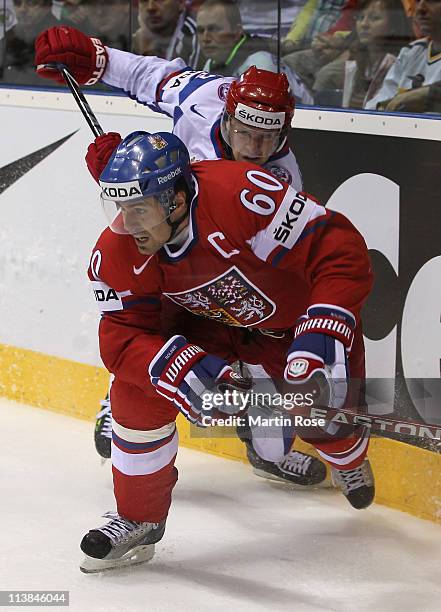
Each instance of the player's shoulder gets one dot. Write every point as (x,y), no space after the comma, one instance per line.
(337,221)
(219,182)
(190,84)
(116,260)
(236,193)
(213,171)
(112,244)
(223,177)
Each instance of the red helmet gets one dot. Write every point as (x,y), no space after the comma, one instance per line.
(265,91)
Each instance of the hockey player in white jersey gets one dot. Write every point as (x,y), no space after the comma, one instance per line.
(216,117)
(194,100)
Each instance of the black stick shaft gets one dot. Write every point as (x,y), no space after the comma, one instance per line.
(83,104)
(79,97)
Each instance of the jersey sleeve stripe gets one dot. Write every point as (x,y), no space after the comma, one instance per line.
(215,139)
(177,115)
(142,300)
(163,83)
(140,446)
(277,255)
(311,228)
(194,84)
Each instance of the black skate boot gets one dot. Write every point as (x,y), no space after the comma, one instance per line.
(103,429)
(357,485)
(119,543)
(295,468)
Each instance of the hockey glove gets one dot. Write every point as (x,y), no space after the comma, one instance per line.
(319,353)
(186,375)
(86,58)
(99,152)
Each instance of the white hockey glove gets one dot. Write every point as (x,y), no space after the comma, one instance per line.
(319,352)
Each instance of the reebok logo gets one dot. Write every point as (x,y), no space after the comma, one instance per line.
(169,176)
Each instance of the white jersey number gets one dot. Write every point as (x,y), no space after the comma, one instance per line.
(261,203)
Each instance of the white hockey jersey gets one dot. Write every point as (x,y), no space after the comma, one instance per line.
(416,65)
(193,99)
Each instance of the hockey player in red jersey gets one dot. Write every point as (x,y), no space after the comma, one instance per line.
(216,117)
(243,257)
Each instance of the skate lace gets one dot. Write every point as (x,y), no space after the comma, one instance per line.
(106,412)
(296,463)
(121,530)
(353,479)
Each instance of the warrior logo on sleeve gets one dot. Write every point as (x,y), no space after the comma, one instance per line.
(230,299)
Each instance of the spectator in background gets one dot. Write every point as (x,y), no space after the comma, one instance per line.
(108,19)
(228,50)
(260,16)
(355,74)
(319,17)
(322,32)
(382,29)
(413,83)
(73,12)
(166,30)
(33,16)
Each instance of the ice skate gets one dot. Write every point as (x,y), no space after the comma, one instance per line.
(119,543)
(295,469)
(357,485)
(103,429)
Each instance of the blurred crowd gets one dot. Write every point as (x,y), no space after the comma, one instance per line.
(360,54)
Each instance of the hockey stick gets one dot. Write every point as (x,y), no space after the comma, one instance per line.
(380,425)
(80,99)
(320,410)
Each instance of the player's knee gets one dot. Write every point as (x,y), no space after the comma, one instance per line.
(141,452)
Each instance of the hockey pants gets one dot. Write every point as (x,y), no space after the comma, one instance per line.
(145,439)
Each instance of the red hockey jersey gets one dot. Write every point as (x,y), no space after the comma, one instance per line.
(257,255)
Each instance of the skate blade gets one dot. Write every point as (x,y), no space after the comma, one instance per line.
(139,555)
(325,484)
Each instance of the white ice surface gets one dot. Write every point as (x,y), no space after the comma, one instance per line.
(233,542)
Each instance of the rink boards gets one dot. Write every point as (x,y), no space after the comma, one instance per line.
(51,218)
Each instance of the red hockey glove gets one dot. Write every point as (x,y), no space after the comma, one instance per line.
(86,58)
(319,352)
(188,377)
(99,152)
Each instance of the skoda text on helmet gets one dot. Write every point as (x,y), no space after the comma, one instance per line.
(143,166)
(259,100)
